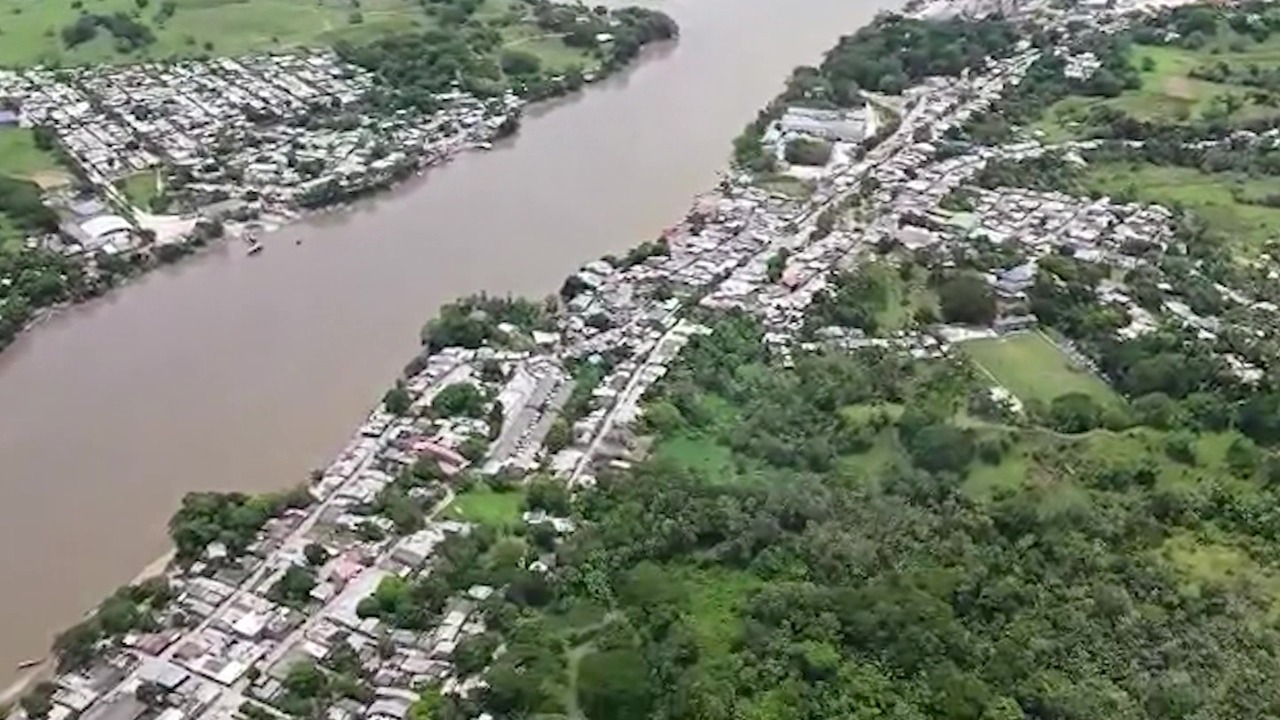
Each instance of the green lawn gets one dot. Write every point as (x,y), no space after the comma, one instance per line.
(483,505)
(698,453)
(1209,195)
(551,50)
(20,158)
(1033,368)
(1168,93)
(140,189)
(786,185)
(30,29)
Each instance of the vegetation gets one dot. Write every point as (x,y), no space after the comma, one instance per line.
(462,399)
(473,321)
(966,298)
(129,609)
(294,587)
(543,53)
(232,519)
(123,31)
(483,504)
(1201,68)
(872,546)
(807,151)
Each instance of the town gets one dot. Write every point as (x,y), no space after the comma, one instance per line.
(247,139)
(354,596)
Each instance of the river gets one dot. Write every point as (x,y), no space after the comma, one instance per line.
(228,372)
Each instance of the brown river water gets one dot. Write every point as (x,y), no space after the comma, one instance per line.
(228,372)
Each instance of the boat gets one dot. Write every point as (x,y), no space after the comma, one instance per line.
(484,145)
(26,664)
(254,249)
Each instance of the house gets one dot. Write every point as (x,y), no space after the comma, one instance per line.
(1013,283)
(837,125)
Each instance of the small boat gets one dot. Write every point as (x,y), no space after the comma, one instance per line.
(485,145)
(298,241)
(25,664)
(254,249)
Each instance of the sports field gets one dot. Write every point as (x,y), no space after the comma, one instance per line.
(1033,368)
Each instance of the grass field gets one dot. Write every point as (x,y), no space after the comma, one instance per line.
(1033,368)
(20,158)
(140,189)
(483,505)
(30,29)
(1168,93)
(1250,227)
(550,49)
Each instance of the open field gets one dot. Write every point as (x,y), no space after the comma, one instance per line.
(550,49)
(30,30)
(1209,195)
(140,189)
(1168,93)
(483,505)
(1033,368)
(20,158)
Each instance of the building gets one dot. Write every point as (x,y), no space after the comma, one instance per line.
(103,230)
(1013,283)
(835,125)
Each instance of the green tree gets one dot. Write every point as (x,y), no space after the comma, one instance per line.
(459,399)
(397,400)
(316,554)
(966,299)
(1075,412)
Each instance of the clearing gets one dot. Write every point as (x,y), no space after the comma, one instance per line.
(21,158)
(1030,366)
(1228,202)
(482,504)
(140,189)
(31,30)
(1168,93)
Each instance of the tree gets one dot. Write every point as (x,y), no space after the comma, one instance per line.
(615,685)
(459,399)
(1243,457)
(1074,412)
(559,435)
(495,420)
(548,495)
(474,652)
(941,447)
(967,299)
(39,701)
(808,151)
(1155,410)
(519,62)
(316,554)
(397,400)
(294,587)
(150,693)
